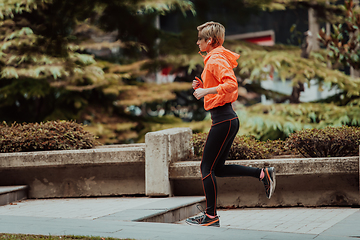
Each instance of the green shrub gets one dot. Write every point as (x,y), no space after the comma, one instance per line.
(246,147)
(280,147)
(327,142)
(52,135)
(198,141)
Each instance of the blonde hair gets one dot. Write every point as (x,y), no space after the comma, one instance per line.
(213,30)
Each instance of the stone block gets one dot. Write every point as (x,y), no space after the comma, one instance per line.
(162,148)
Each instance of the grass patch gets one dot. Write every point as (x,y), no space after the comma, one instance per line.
(6,236)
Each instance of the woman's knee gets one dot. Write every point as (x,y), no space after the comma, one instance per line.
(205,170)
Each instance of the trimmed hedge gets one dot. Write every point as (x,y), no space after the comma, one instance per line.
(247,147)
(327,142)
(52,135)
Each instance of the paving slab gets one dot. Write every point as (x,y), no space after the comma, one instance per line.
(82,208)
(349,226)
(105,217)
(293,220)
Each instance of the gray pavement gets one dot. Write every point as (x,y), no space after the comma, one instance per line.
(113,217)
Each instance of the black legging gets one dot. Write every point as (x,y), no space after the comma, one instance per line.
(221,136)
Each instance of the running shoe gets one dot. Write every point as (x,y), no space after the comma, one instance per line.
(204,220)
(269,181)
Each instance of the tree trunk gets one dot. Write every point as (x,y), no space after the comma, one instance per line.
(328,32)
(355,73)
(314,30)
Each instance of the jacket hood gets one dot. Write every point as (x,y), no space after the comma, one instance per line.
(222,52)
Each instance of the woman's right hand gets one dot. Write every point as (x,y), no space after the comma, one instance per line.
(197,83)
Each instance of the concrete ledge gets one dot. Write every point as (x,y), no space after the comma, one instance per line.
(300,182)
(140,145)
(9,194)
(77,173)
(293,166)
(72,157)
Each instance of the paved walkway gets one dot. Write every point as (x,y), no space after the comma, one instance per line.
(111,217)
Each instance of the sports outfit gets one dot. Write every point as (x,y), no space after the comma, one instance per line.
(218,72)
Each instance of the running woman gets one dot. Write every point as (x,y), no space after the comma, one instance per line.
(219,88)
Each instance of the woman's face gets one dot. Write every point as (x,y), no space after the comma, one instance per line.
(202,43)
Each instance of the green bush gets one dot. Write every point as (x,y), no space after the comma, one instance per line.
(246,147)
(280,147)
(198,141)
(327,142)
(52,135)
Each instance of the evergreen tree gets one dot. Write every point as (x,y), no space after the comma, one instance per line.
(47,71)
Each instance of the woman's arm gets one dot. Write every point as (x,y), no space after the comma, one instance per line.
(201,92)
(225,75)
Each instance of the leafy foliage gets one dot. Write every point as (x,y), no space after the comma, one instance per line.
(247,147)
(9,8)
(257,63)
(47,70)
(288,64)
(280,120)
(327,142)
(52,135)
(325,8)
(344,41)
(198,141)
(163,6)
(148,93)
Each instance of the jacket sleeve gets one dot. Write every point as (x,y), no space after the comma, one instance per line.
(222,71)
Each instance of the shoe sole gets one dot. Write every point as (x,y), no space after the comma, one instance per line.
(272,182)
(202,225)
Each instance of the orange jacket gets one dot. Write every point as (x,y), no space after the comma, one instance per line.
(218,72)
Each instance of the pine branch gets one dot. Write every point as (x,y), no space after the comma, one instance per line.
(8,8)
(254,64)
(164,6)
(271,120)
(148,93)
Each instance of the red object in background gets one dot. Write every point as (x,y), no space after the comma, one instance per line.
(265,41)
(166,71)
(263,38)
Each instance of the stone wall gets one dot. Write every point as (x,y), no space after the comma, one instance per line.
(161,168)
(76,173)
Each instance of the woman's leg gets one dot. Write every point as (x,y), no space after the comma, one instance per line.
(266,175)
(217,146)
(222,170)
(216,151)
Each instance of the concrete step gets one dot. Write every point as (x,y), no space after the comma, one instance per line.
(9,194)
(167,210)
(172,209)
